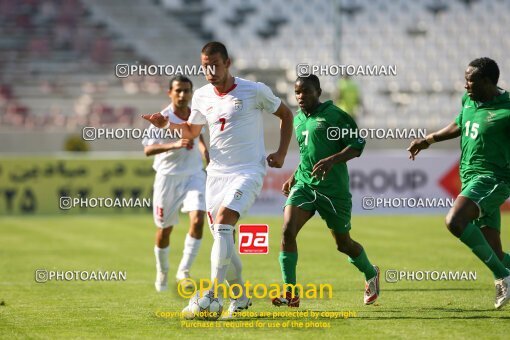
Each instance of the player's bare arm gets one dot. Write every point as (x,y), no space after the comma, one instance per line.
(276,159)
(203,149)
(189,131)
(449,132)
(321,169)
(154,149)
(289,183)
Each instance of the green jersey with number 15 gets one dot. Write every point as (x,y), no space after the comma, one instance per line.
(485,138)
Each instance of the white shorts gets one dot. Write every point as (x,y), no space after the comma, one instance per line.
(170,191)
(236,192)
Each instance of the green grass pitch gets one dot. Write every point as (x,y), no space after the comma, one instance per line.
(127,309)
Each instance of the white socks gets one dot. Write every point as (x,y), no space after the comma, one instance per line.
(162,262)
(225,261)
(222,250)
(191,247)
(234,276)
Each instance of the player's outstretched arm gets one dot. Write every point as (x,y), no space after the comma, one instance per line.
(189,131)
(276,159)
(322,167)
(449,132)
(154,149)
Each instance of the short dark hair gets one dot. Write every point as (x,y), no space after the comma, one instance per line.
(181,79)
(214,47)
(487,68)
(311,78)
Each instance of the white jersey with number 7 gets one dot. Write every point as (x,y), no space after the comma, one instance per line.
(235,125)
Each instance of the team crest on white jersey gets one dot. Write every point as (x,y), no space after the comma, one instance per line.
(238,104)
(238,195)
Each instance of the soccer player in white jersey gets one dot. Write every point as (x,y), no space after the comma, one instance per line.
(232,108)
(180,180)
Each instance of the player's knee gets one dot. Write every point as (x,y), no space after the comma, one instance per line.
(165,233)
(163,237)
(227,216)
(449,222)
(455,224)
(344,247)
(197,220)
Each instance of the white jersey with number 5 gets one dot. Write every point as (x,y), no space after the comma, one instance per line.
(235,125)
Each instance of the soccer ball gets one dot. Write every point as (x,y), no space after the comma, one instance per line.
(204,306)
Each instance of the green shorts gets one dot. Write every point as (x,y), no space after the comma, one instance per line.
(489,194)
(336,212)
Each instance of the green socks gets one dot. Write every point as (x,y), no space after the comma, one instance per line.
(474,239)
(506,260)
(288,263)
(363,264)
